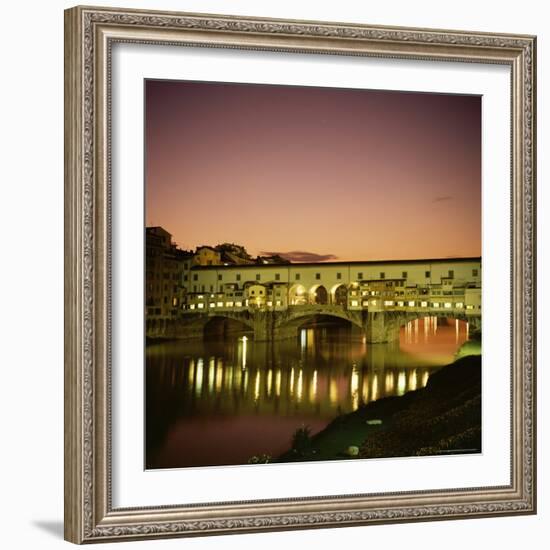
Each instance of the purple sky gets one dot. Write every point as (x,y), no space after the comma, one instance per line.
(322,173)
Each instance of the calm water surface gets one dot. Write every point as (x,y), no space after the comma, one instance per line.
(219,402)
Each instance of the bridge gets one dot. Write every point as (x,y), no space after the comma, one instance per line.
(378,298)
(377,327)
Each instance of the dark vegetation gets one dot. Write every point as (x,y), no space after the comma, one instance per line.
(442,418)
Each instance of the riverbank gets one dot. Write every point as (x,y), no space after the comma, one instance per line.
(444,417)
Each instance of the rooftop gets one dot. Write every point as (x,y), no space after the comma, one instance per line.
(335,264)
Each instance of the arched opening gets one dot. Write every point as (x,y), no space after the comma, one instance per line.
(340,296)
(316,332)
(224,327)
(318,295)
(297,295)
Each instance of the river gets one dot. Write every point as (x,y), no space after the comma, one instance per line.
(222,401)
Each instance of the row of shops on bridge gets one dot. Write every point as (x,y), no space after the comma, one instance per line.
(374,295)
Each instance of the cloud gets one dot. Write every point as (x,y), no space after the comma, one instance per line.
(301,256)
(443,199)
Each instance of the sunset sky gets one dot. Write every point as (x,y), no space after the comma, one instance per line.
(318,174)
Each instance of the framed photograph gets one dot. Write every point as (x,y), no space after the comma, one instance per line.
(300,274)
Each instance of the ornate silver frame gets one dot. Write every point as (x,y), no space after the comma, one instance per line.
(89,35)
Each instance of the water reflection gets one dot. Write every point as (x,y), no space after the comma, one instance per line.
(220,402)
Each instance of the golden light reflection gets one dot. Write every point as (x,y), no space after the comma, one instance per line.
(354,388)
(269,382)
(401,383)
(333,392)
(278,383)
(291,382)
(257,386)
(219,376)
(229,378)
(198,380)
(238,377)
(244,350)
(313,387)
(300,385)
(425,377)
(211,365)
(389,383)
(413,380)
(245,381)
(191,372)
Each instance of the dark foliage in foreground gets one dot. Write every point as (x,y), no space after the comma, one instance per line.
(444,417)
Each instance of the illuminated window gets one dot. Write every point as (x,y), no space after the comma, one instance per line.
(200,296)
(365,303)
(278,303)
(400,304)
(388,303)
(459,305)
(192,306)
(174,301)
(411,304)
(220,304)
(354,303)
(469,307)
(424,304)
(448,305)
(373,303)
(269,303)
(212,304)
(229,304)
(436,304)
(200,306)
(238,304)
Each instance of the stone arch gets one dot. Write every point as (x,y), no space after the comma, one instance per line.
(220,326)
(293,322)
(318,295)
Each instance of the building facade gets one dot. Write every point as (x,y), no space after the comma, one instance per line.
(447,284)
(165,270)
